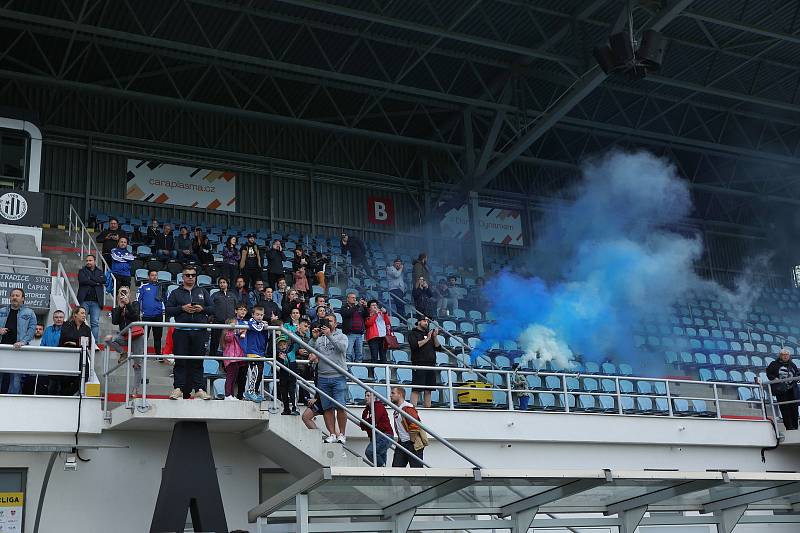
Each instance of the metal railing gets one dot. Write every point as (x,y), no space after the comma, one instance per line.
(81,238)
(771,397)
(46,268)
(76,362)
(107,371)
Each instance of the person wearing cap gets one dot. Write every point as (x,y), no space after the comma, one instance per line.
(250,261)
(397,286)
(784,368)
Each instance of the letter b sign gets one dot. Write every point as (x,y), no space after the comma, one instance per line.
(381,210)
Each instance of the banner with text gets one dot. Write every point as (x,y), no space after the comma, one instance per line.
(498,226)
(12,508)
(37,289)
(162,183)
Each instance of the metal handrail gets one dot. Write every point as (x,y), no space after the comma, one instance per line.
(342,371)
(75,229)
(48,264)
(69,293)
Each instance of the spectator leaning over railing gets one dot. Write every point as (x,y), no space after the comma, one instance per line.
(17,327)
(121,260)
(409,434)
(397,286)
(332,344)
(423,343)
(109,237)
(189,304)
(126,312)
(377,441)
(71,334)
(91,284)
(50,338)
(784,368)
(151,301)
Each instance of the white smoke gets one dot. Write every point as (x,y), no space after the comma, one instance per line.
(541,345)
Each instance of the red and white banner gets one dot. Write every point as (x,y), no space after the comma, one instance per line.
(161,183)
(498,226)
(381,210)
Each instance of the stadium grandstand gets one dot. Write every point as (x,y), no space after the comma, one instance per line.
(378,266)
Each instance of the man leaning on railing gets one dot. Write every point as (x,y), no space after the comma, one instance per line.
(17,327)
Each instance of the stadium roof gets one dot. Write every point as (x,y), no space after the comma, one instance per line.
(399,500)
(503,94)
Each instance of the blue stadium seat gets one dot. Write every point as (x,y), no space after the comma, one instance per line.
(573,383)
(644,387)
(590,385)
(360,372)
(403,375)
(356,394)
(625,369)
(534,382)
(587,402)
(608,368)
(545,401)
(400,357)
(706,375)
(552,383)
(607,404)
(625,386)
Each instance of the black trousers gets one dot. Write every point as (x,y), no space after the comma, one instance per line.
(401,460)
(251,275)
(189,372)
(377,350)
(216,335)
(273,278)
(287,384)
(157,332)
(788,411)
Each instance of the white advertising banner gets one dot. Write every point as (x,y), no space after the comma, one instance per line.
(498,226)
(162,183)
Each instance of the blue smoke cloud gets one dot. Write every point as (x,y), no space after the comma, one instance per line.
(601,261)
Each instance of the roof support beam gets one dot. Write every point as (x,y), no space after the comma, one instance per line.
(569,489)
(630,520)
(590,81)
(430,30)
(660,495)
(753,497)
(421,498)
(727,519)
(521,521)
(301,486)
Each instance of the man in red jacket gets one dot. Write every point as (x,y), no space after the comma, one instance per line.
(383,425)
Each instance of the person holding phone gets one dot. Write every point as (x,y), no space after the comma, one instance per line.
(189,304)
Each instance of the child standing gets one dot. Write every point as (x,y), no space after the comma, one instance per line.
(301,282)
(231,347)
(256,339)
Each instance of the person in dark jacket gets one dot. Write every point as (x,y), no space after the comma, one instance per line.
(420,268)
(224,303)
(424,299)
(109,237)
(379,442)
(153,231)
(784,368)
(319,262)
(292,301)
(302,259)
(275,258)
(189,304)
(151,303)
(423,343)
(272,311)
(230,258)
(183,244)
(91,284)
(165,244)
(202,250)
(358,252)
(354,323)
(71,333)
(240,290)
(250,261)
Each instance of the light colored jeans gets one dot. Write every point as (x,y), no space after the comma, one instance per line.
(94,309)
(355,347)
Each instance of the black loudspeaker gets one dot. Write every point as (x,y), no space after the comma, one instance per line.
(605,58)
(651,49)
(189,481)
(622,48)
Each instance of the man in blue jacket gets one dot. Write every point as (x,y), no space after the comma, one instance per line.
(152,305)
(17,327)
